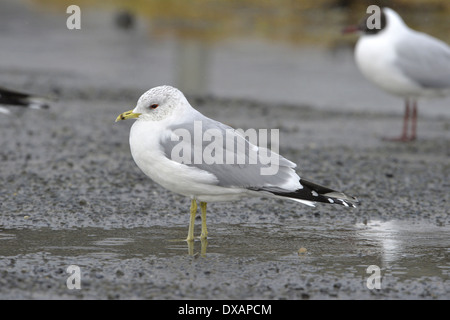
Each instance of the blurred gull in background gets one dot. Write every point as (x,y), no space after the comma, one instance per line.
(403,62)
(21,99)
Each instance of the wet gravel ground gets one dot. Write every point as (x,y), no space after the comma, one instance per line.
(72,195)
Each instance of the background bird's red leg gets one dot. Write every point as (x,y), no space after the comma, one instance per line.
(404,136)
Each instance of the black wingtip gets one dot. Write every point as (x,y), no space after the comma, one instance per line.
(327,195)
(22,99)
(345,203)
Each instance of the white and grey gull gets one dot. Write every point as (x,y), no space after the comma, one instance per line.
(163,113)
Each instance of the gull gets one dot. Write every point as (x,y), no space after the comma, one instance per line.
(165,120)
(403,62)
(21,99)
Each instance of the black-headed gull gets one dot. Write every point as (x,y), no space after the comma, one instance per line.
(403,62)
(166,127)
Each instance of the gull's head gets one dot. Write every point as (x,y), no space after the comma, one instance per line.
(156,104)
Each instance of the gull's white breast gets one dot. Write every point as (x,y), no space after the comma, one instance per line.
(375,56)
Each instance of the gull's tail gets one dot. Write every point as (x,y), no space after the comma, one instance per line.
(21,99)
(311,193)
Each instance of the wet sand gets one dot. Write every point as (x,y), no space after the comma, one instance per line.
(71,194)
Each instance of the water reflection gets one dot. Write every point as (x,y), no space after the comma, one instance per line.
(100,243)
(387,234)
(399,248)
(203,244)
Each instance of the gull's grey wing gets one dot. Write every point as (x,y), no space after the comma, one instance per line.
(232,159)
(425,60)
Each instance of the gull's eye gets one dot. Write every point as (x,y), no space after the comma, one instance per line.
(154,106)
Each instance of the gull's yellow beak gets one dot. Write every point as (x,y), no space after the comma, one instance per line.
(127,115)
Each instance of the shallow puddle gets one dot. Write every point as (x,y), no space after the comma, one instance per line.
(313,259)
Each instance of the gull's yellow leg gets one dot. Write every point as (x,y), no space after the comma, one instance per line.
(190,247)
(204,234)
(190,236)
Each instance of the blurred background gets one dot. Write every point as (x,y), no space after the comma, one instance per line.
(284,51)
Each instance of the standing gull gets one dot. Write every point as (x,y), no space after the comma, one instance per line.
(166,121)
(403,62)
(21,99)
